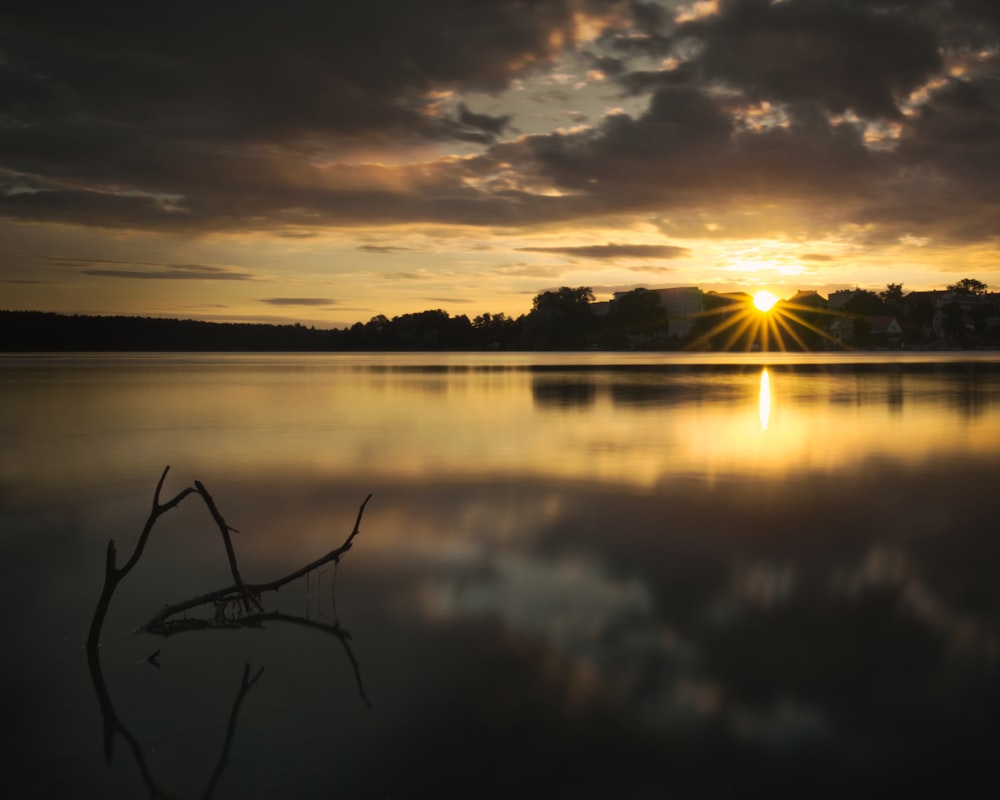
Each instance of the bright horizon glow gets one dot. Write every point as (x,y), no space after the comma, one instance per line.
(764,300)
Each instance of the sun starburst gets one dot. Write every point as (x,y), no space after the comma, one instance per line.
(760,322)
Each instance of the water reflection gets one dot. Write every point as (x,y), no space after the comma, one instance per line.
(635,423)
(563,393)
(765,399)
(235,606)
(661,582)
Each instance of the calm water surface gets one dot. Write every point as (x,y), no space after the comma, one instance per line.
(596,575)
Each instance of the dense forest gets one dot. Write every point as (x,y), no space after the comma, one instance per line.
(962,315)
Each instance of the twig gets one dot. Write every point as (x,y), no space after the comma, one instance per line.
(158,621)
(112,574)
(246,684)
(249,601)
(161,624)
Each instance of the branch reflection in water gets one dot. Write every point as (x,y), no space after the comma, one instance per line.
(235,606)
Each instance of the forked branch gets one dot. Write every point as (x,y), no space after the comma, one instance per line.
(162,624)
(243,596)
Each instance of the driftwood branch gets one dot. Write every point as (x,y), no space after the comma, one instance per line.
(243,596)
(249,601)
(113,575)
(163,625)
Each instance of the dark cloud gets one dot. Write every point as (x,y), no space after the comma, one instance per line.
(607,64)
(447,300)
(958,131)
(381,248)
(193,120)
(298,301)
(861,57)
(614,251)
(108,111)
(269,74)
(149,270)
(982,13)
(645,81)
(169,275)
(483,126)
(644,269)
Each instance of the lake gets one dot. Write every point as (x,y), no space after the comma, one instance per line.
(579,575)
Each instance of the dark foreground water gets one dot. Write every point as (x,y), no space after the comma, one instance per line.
(579,576)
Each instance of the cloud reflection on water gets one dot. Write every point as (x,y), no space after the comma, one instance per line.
(647,583)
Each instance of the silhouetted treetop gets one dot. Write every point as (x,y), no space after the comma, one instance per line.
(968,286)
(865,303)
(639,308)
(566,299)
(893,293)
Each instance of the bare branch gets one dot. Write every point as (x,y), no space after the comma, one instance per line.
(159,487)
(156,623)
(248,600)
(246,684)
(246,594)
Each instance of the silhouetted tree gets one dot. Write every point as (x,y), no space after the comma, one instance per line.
(571,301)
(892,294)
(638,309)
(953,324)
(632,315)
(495,331)
(866,303)
(560,318)
(968,286)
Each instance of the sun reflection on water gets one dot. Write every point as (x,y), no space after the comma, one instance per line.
(618,423)
(765,399)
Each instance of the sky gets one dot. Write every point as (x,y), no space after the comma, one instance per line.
(325,162)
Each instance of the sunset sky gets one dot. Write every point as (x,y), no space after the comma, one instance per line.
(326,162)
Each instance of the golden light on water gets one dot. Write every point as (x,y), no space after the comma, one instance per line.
(328,414)
(765,399)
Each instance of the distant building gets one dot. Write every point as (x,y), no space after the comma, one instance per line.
(882,331)
(931,298)
(809,299)
(842,329)
(683,304)
(886,330)
(602,307)
(837,300)
(682,301)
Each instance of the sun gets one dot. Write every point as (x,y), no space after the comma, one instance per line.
(764,300)
(740,321)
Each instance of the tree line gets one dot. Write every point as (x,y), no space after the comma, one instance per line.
(565,318)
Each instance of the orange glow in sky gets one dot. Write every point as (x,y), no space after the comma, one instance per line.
(421,159)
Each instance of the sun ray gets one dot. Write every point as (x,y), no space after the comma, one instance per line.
(783,322)
(790,307)
(740,326)
(752,322)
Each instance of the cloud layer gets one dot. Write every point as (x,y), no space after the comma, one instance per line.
(877,116)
